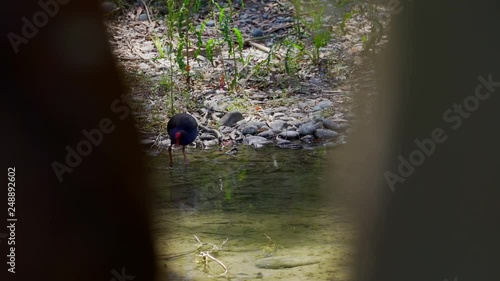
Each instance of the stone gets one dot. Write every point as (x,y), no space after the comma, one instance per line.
(285,262)
(306,104)
(285,118)
(256,124)
(289,135)
(308,139)
(257,32)
(206,136)
(210,23)
(317,118)
(329,124)
(210,143)
(295,123)
(231,118)
(249,130)
(143,17)
(307,129)
(325,134)
(165,143)
(322,105)
(278,125)
(297,115)
(266,134)
(280,109)
(256,141)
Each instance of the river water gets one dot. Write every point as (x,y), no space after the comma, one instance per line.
(267,202)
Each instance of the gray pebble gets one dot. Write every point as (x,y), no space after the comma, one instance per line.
(308,139)
(249,130)
(325,134)
(318,118)
(307,129)
(295,123)
(143,17)
(266,134)
(231,118)
(277,125)
(286,118)
(206,136)
(209,143)
(280,109)
(210,23)
(297,115)
(329,124)
(256,141)
(289,134)
(257,32)
(165,143)
(256,124)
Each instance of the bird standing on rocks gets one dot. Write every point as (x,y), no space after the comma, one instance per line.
(182,129)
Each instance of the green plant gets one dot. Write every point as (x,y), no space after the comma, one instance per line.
(292,54)
(314,25)
(159,47)
(347,16)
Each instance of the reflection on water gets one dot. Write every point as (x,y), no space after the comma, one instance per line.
(268,202)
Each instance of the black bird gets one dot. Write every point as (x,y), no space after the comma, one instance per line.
(182,130)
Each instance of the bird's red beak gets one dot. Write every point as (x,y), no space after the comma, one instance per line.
(177,138)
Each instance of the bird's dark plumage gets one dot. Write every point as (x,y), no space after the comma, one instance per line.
(182,130)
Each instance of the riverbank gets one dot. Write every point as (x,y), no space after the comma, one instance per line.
(279,89)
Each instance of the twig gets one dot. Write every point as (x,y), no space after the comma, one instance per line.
(207,254)
(147,10)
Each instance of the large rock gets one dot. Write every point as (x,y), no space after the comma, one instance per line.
(231,118)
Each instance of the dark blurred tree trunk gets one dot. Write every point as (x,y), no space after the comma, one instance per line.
(59,79)
(441,220)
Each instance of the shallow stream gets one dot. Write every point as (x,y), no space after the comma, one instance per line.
(267,202)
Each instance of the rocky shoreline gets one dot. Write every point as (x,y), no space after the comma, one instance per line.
(312,107)
(303,125)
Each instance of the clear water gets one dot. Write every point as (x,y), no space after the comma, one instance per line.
(267,202)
